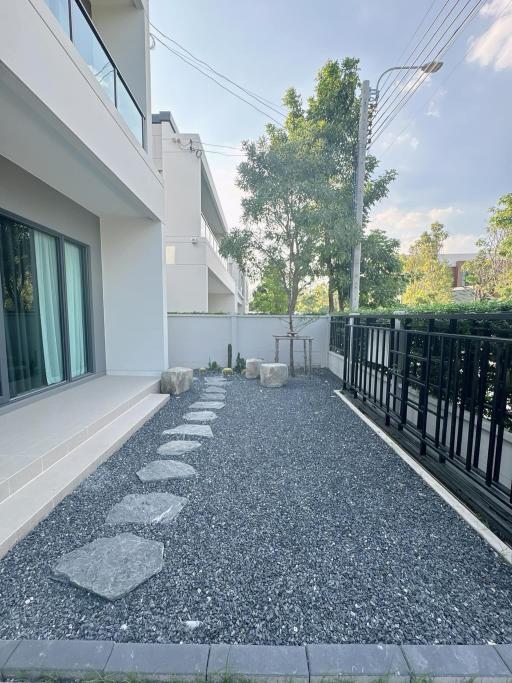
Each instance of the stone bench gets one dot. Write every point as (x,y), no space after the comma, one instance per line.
(252,367)
(273,374)
(176,381)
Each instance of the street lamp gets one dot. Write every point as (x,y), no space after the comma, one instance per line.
(428,68)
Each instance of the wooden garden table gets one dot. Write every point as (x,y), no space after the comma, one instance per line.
(308,346)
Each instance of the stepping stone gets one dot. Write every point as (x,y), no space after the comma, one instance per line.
(212,397)
(214,390)
(161,470)
(111,567)
(191,430)
(207,405)
(200,416)
(177,447)
(215,380)
(146,508)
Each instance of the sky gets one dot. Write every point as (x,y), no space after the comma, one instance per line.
(451,144)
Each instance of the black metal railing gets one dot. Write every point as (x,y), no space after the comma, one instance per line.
(76,22)
(442,386)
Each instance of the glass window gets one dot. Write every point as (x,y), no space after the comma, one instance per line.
(31,306)
(128,110)
(60,9)
(92,51)
(76,309)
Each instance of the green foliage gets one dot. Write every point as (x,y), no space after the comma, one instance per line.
(270,295)
(230,355)
(485,306)
(429,281)
(490,272)
(315,299)
(227,371)
(213,365)
(240,363)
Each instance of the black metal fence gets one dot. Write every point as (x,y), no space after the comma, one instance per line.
(442,387)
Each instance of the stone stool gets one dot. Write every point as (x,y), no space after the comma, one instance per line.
(252,367)
(273,374)
(176,380)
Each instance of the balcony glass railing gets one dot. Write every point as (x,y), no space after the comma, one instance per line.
(77,24)
(208,233)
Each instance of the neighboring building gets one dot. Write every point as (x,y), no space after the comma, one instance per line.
(199,279)
(83,290)
(461,291)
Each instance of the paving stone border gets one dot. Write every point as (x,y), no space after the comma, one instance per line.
(90,659)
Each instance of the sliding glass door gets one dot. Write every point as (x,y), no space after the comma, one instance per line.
(44,317)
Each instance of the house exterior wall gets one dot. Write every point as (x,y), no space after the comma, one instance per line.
(33,200)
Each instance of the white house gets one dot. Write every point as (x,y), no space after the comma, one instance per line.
(199,279)
(83,312)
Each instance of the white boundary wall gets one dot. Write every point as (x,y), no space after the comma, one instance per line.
(196,339)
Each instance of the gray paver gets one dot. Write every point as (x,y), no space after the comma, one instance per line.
(146,508)
(265,662)
(207,405)
(161,470)
(191,430)
(215,380)
(177,447)
(111,567)
(354,661)
(7,647)
(212,397)
(200,416)
(153,662)
(69,659)
(446,663)
(506,654)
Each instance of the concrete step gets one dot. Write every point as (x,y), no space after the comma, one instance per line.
(22,510)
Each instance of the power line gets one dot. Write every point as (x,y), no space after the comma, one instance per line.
(439,87)
(276,108)
(194,66)
(403,100)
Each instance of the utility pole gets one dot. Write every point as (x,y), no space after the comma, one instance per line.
(359,191)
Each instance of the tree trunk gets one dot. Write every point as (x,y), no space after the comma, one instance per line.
(340,298)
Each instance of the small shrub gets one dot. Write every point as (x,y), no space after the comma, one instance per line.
(202,371)
(240,363)
(227,371)
(213,365)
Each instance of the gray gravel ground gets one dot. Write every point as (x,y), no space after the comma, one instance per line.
(302,526)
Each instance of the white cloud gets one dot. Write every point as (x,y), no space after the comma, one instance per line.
(408,225)
(494,46)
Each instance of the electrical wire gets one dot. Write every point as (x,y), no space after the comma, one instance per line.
(436,91)
(276,108)
(383,123)
(194,66)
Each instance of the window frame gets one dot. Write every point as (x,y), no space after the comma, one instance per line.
(61,238)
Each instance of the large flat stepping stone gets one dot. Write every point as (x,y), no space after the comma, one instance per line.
(200,416)
(161,470)
(191,430)
(111,567)
(177,447)
(146,508)
(214,390)
(207,405)
(212,397)
(215,380)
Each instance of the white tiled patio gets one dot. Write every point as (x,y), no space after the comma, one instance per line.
(49,445)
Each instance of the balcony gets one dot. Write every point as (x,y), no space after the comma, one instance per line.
(208,233)
(78,26)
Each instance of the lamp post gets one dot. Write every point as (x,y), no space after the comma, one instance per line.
(428,68)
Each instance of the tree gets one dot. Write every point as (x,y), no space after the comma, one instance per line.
(332,115)
(315,299)
(382,279)
(429,280)
(490,272)
(280,211)
(269,296)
